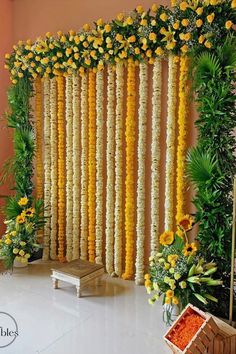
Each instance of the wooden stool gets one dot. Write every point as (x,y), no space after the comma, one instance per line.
(78,273)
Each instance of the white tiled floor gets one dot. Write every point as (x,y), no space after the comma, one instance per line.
(110,319)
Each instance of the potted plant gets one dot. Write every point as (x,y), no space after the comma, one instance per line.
(179,273)
(19,242)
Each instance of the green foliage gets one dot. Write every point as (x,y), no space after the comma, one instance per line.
(19,118)
(211,165)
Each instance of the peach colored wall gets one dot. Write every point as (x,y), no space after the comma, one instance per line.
(6,35)
(33,18)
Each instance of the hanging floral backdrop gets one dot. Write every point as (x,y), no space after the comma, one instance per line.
(91,98)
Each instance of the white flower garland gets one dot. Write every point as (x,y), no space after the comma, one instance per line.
(170,142)
(69,168)
(47,168)
(110,171)
(76,166)
(118,228)
(99,165)
(142,128)
(54,201)
(84,167)
(155,154)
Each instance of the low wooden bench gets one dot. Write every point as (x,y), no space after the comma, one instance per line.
(78,273)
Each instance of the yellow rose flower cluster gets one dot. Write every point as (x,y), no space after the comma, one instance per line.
(140,35)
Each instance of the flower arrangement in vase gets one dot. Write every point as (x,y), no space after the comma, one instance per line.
(179,273)
(19,241)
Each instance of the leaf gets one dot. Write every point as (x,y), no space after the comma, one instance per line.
(200,298)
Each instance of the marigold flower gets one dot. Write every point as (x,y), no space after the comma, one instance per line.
(201,39)
(8,241)
(137,50)
(187,36)
(184,48)
(159,51)
(176,25)
(208,44)
(189,249)
(172,257)
(107,28)
(171,45)
(163,17)
(167,238)
(233,4)
(199,22)
(183,5)
(199,10)
(120,16)
(170,293)
(228,24)
(185,22)
(132,39)
(139,9)
(152,36)
(154,8)
(100,22)
(175,300)
(143,22)
(129,21)
(153,22)
(23,201)
(210,18)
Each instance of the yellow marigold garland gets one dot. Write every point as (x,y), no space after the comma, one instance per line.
(84,168)
(141,191)
(110,171)
(155,154)
(99,165)
(54,161)
(170,141)
(118,227)
(69,168)
(92,166)
(61,168)
(182,136)
(47,169)
(76,166)
(130,175)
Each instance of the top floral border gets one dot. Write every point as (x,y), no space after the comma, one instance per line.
(140,35)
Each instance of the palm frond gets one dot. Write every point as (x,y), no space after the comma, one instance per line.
(200,166)
(206,66)
(12,208)
(227,53)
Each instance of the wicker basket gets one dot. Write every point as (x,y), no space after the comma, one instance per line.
(213,337)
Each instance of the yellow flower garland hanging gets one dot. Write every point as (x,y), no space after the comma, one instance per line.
(92,166)
(61,168)
(54,161)
(182,136)
(130,175)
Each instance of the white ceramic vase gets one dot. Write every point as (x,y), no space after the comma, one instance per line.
(171,313)
(18,264)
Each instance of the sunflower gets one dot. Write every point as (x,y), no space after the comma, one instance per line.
(23,201)
(20,219)
(190,249)
(167,238)
(186,222)
(30,212)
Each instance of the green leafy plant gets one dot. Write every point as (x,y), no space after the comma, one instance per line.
(211,164)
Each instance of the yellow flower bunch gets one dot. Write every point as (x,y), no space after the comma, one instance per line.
(92,165)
